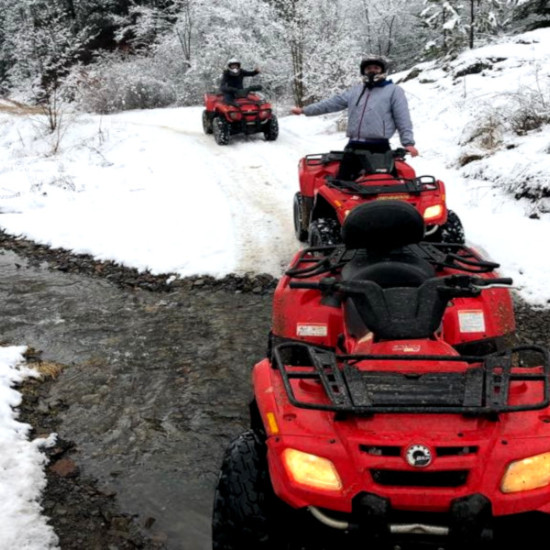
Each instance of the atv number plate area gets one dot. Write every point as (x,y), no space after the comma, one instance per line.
(471,321)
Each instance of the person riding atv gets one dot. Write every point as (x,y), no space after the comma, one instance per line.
(232,80)
(377,108)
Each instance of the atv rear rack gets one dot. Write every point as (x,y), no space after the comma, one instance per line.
(320,159)
(481,389)
(329,259)
(414,186)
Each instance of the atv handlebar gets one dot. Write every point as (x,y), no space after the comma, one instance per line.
(400,153)
(452,285)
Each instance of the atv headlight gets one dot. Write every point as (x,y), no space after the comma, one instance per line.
(234,115)
(433,212)
(264,114)
(526,474)
(311,470)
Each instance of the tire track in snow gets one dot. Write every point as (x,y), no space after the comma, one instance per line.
(262,214)
(258,192)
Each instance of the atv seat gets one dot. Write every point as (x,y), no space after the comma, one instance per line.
(396,313)
(398,268)
(359,162)
(380,232)
(383,225)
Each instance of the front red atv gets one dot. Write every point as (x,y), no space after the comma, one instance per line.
(371,428)
(250,114)
(324,200)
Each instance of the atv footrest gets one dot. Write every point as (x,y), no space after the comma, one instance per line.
(476,385)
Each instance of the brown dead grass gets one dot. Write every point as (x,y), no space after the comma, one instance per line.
(17,108)
(48,369)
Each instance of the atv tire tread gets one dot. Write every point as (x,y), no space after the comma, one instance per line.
(221,130)
(207,122)
(244,499)
(451,232)
(298,210)
(271,133)
(324,232)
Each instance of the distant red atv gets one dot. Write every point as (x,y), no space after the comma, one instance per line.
(324,200)
(251,114)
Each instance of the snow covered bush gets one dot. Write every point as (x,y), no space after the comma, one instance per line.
(112,85)
(531,111)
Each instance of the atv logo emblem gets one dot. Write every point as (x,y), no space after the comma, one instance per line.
(419,456)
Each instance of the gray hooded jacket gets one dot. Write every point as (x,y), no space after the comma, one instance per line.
(376,114)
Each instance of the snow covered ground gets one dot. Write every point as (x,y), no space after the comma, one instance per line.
(22,478)
(149,190)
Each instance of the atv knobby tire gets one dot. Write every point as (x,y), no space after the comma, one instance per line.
(271,131)
(300,219)
(324,232)
(207,122)
(451,232)
(245,515)
(221,130)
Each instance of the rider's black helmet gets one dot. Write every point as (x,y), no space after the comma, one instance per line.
(374,60)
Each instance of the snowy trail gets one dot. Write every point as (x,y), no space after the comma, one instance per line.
(255,180)
(188,205)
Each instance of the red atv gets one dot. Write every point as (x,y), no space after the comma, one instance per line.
(383,433)
(250,114)
(325,199)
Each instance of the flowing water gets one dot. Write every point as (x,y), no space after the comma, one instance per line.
(154,384)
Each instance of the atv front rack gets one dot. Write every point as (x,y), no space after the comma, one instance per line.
(319,260)
(481,389)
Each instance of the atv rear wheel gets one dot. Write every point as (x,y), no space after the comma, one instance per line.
(245,515)
(324,232)
(300,220)
(271,131)
(207,122)
(220,128)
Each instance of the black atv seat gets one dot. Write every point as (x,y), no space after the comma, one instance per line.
(396,313)
(358,162)
(382,225)
(401,267)
(382,233)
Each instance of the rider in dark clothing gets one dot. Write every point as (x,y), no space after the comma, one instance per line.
(232,79)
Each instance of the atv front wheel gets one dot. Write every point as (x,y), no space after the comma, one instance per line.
(271,131)
(220,129)
(207,122)
(324,232)
(300,223)
(245,515)
(451,232)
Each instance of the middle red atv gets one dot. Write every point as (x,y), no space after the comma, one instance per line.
(249,114)
(370,426)
(384,243)
(326,197)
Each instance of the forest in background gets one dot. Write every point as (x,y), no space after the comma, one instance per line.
(110,55)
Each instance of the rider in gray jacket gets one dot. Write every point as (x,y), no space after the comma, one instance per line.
(376,109)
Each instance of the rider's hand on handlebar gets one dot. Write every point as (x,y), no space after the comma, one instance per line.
(296,110)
